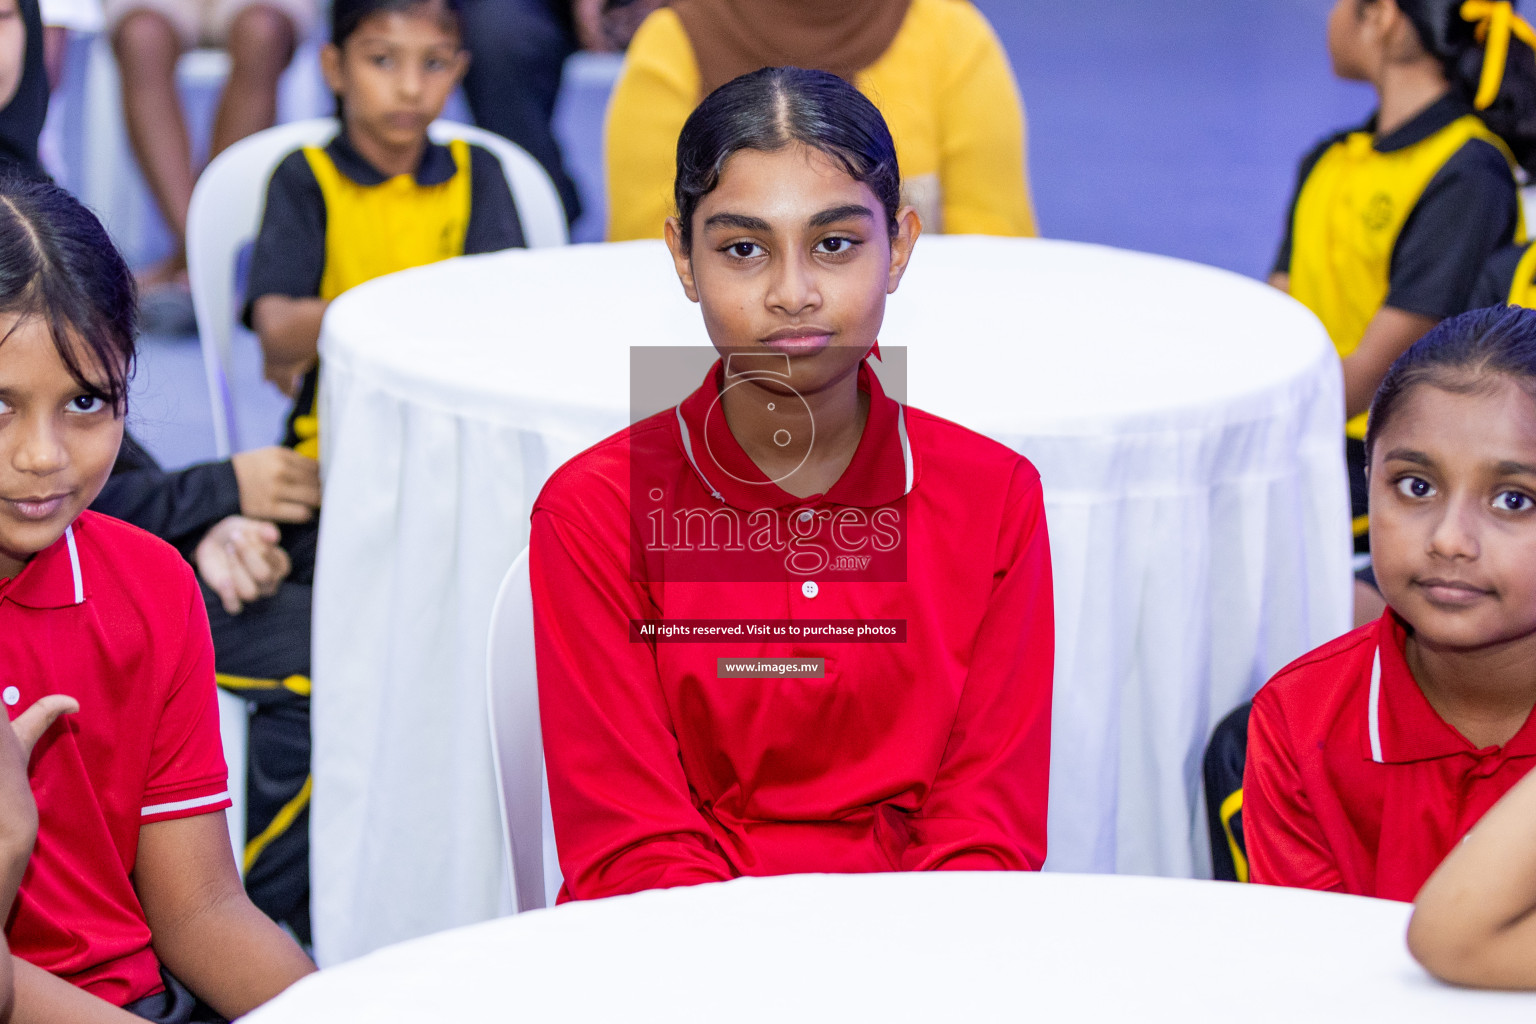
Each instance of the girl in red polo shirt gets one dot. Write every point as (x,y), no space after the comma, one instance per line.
(1371,757)
(791,625)
(132,888)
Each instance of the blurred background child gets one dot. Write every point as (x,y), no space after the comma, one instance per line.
(1392,221)
(149,37)
(933,67)
(380,197)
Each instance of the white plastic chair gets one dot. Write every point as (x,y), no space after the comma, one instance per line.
(226,213)
(234,729)
(528,832)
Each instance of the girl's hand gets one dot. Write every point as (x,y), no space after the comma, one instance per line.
(288,376)
(241,561)
(18,812)
(277,484)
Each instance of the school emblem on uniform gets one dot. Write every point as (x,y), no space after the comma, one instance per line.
(1378,212)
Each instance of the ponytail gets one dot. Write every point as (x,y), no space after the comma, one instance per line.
(1489,53)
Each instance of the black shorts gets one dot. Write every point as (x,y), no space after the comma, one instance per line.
(176,1005)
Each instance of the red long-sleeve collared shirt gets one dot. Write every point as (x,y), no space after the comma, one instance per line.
(1354,783)
(928,753)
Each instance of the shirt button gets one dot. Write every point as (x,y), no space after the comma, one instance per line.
(808,588)
(805,517)
(11,695)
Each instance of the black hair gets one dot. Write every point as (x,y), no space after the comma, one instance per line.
(58,264)
(771,108)
(348,15)
(1452,40)
(1463,354)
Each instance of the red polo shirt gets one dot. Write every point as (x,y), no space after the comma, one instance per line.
(114,618)
(928,753)
(1354,783)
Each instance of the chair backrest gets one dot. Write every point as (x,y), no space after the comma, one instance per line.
(528,834)
(224,216)
(226,213)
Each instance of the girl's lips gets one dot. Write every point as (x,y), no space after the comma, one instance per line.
(37,509)
(799,344)
(1451,593)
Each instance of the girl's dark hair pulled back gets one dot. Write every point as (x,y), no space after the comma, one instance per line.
(1462,354)
(347,15)
(772,108)
(58,264)
(1452,39)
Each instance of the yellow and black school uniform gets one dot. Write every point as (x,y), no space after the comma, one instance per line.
(333,221)
(1509,278)
(1407,220)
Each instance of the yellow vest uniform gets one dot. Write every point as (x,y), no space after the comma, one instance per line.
(1522,288)
(944,87)
(1348,216)
(373,230)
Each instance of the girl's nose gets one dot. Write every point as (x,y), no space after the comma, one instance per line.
(1455,534)
(793,289)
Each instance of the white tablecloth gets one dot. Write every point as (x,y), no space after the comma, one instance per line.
(929,948)
(1187,424)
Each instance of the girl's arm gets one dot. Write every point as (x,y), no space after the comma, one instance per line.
(987,806)
(982,169)
(1286,845)
(42,998)
(1475,919)
(289,331)
(205,929)
(624,820)
(1387,336)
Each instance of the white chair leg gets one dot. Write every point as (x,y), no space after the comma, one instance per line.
(234,728)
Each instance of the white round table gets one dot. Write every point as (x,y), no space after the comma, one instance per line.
(917,947)
(1186,422)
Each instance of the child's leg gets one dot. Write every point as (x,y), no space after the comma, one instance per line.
(263,655)
(149,38)
(261,40)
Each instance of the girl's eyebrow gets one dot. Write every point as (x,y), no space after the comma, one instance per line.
(1511,468)
(848,211)
(1409,455)
(740,221)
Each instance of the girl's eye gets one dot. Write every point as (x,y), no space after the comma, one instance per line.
(835,246)
(434,64)
(87,403)
(1512,501)
(743,250)
(1415,487)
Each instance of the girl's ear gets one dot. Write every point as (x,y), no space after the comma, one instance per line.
(330,67)
(682,261)
(463,57)
(908,226)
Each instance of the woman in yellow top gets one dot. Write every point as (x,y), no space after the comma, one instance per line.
(934,68)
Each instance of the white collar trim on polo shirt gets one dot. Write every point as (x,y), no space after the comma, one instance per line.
(901,429)
(74,563)
(688,450)
(1373,713)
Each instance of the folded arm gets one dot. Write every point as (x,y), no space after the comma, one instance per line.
(987,807)
(624,819)
(1474,922)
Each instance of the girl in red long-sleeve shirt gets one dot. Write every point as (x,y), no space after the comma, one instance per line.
(790,503)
